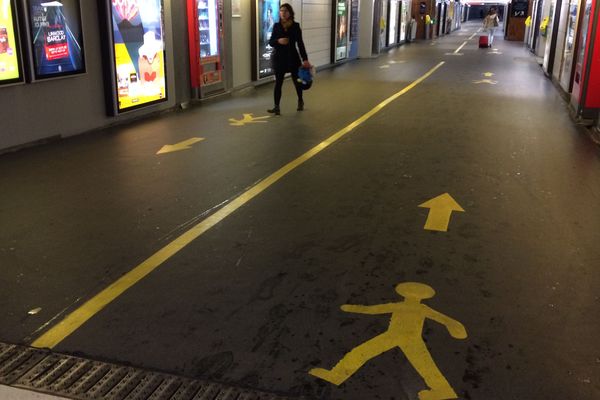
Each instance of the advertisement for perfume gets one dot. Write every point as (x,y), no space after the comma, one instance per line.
(56,37)
(10,63)
(137,27)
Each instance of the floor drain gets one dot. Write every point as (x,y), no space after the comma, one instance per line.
(78,378)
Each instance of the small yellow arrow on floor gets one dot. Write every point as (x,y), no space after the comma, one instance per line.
(186,144)
(440,210)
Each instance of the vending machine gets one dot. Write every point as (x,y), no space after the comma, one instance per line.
(206,40)
(585,98)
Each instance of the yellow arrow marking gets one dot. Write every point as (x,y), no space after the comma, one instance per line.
(491,82)
(248,119)
(488,74)
(405,333)
(440,209)
(186,144)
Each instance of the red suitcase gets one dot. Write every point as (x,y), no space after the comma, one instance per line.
(483,41)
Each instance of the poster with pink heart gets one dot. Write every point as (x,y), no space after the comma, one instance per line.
(139,52)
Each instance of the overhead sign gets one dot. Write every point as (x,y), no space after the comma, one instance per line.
(10,57)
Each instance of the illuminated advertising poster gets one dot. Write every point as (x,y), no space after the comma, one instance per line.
(392,33)
(139,59)
(56,38)
(268,15)
(341,41)
(10,62)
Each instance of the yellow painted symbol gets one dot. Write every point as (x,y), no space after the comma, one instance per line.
(488,74)
(397,62)
(384,66)
(186,144)
(404,332)
(248,119)
(440,209)
(494,52)
(491,82)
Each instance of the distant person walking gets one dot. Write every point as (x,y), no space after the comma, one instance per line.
(490,22)
(286,39)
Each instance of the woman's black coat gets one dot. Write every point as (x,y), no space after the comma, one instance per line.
(286,58)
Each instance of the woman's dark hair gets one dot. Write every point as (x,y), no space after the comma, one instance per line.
(289,8)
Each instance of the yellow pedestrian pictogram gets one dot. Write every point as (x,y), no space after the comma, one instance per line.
(247,119)
(404,332)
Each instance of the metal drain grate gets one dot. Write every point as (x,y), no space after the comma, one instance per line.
(78,378)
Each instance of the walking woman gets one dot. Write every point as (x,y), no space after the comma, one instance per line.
(490,22)
(286,39)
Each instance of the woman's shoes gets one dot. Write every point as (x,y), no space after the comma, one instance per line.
(275,110)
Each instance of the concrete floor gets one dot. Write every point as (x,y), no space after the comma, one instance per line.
(255,301)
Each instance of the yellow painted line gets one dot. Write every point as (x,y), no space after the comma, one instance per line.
(457,50)
(73,321)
